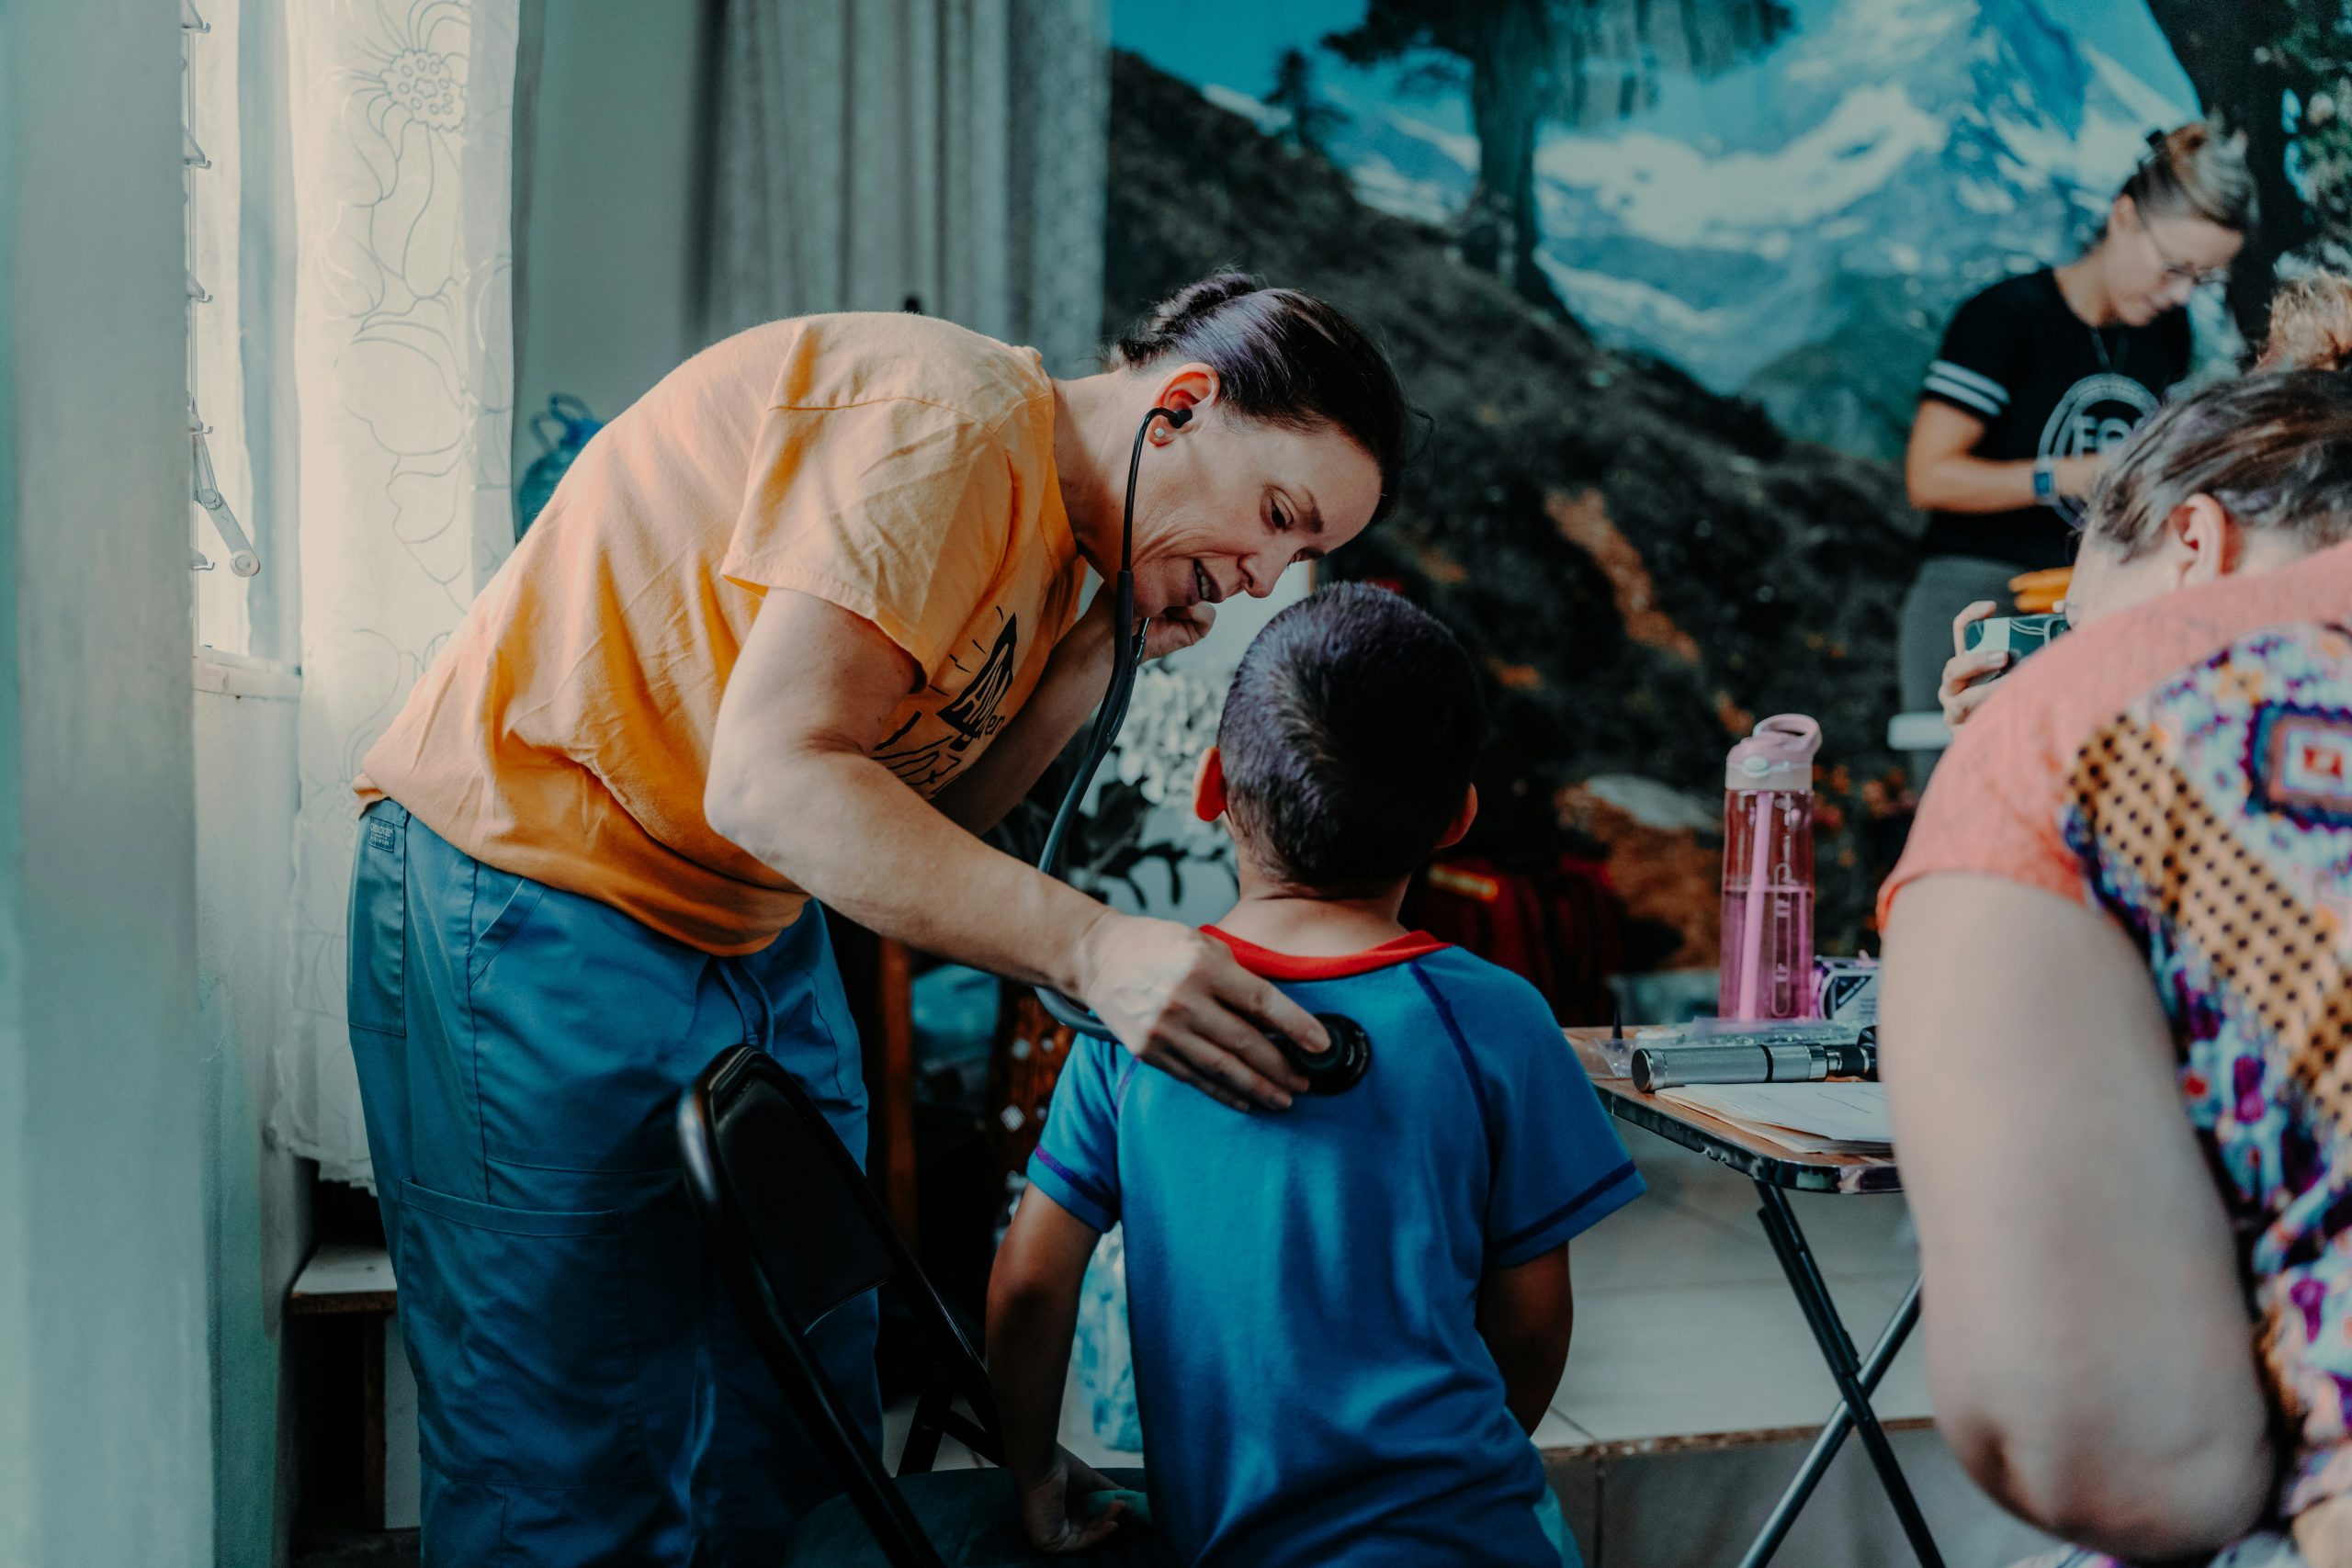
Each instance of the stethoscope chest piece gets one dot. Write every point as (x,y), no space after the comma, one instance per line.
(1340,1067)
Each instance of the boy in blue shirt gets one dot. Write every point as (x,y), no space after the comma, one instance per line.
(1347,1316)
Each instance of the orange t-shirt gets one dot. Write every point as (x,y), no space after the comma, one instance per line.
(2011,797)
(899,467)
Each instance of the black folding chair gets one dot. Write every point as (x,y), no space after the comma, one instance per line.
(799,1235)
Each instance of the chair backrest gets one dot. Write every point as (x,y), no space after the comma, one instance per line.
(799,1233)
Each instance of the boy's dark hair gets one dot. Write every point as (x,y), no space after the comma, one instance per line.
(1348,737)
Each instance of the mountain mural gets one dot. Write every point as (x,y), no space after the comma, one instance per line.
(1801,235)
(1641,566)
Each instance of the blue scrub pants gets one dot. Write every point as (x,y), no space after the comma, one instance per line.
(586,1392)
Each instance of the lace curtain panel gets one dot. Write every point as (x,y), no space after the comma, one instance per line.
(949,152)
(401,130)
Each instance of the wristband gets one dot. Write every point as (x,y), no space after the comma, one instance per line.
(2045,481)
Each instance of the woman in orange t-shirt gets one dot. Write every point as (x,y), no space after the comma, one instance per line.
(794,630)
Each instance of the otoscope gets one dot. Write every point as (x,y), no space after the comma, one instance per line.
(1326,1072)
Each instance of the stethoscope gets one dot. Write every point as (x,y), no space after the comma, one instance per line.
(1326,1072)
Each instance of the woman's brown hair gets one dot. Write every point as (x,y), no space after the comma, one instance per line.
(2275,448)
(1284,358)
(2196,171)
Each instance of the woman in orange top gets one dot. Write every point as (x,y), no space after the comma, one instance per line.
(2118,996)
(795,628)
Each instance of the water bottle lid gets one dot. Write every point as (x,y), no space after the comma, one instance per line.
(1779,755)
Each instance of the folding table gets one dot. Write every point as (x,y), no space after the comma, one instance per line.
(1776,1171)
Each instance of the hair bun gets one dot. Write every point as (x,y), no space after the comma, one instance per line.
(2198,170)
(2311,324)
(1279,357)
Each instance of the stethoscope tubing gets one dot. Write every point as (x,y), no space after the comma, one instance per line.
(1126,658)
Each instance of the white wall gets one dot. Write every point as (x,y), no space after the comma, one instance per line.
(607,258)
(257,1195)
(106,1431)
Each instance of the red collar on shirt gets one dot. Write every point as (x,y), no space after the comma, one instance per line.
(1273,966)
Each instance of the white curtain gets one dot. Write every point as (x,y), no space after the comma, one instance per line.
(950,152)
(401,121)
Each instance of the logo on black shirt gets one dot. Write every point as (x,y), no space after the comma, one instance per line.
(2097,414)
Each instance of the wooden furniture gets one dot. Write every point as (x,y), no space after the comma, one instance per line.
(344,1280)
(1776,1171)
(877,975)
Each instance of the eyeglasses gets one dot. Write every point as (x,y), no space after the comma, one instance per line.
(2180,271)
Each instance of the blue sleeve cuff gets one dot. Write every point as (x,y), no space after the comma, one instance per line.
(1086,1203)
(1603,1198)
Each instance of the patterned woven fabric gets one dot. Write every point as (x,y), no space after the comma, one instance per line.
(2213,819)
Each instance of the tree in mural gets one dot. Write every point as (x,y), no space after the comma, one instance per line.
(1311,119)
(1528,61)
(2280,72)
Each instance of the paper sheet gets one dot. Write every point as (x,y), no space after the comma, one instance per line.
(1811,1118)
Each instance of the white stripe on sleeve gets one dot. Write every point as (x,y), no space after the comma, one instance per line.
(1967,377)
(1967,396)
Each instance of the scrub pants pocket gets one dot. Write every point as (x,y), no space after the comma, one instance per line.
(540,1341)
(798,1013)
(372,994)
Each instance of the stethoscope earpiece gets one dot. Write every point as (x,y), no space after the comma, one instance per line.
(1340,1067)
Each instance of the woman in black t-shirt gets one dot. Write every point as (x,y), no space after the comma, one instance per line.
(2040,373)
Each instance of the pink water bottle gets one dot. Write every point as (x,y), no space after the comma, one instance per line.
(1768,872)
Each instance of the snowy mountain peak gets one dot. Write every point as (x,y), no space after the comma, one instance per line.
(1901,153)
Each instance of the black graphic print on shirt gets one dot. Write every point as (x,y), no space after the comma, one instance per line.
(932,745)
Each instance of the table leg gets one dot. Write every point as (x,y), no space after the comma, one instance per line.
(1849,1371)
(1833,1435)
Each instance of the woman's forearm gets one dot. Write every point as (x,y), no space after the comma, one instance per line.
(1958,483)
(1971,484)
(1069,691)
(843,827)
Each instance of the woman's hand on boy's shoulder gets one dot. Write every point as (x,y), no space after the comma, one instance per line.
(1180,1003)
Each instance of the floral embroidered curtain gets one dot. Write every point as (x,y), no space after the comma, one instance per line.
(401,125)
